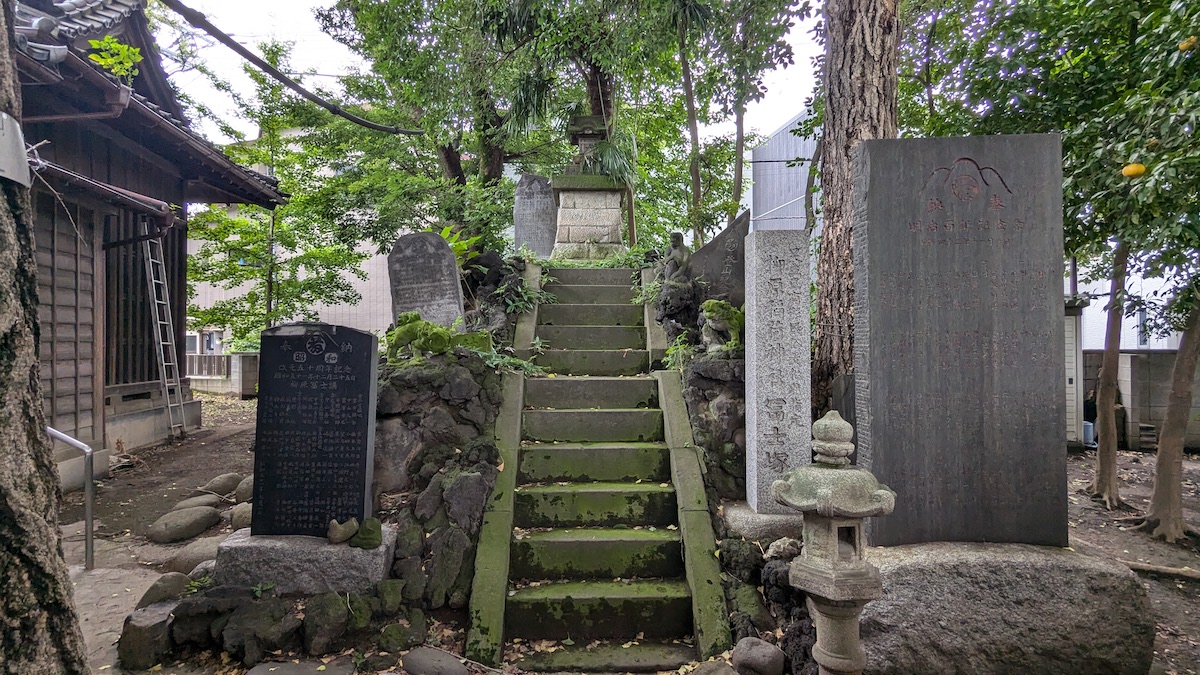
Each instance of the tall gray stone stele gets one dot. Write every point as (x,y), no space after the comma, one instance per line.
(424,278)
(959,346)
(778,362)
(535,215)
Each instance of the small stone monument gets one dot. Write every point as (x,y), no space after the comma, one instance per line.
(721,263)
(958,336)
(315,439)
(590,213)
(777,360)
(835,497)
(535,217)
(424,278)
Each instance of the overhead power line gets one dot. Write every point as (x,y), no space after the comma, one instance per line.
(200,21)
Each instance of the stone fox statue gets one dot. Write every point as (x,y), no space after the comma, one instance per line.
(721,325)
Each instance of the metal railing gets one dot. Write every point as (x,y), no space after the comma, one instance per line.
(208,365)
(89,491)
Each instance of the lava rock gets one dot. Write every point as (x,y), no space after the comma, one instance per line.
(714,668)
(444,565)
(260,627)
(325,620)
(410,537)
(145,637)
(742,559)
(170,586)
(784,548)
(197,615)
(404,635)
(182,524)
(752,656)
(415,581)
(391,595)
(466,495)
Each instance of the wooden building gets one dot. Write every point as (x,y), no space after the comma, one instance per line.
(113,165)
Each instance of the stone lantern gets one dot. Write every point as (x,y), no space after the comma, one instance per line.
(835,497)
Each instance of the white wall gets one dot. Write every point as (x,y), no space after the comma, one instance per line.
(1095,316)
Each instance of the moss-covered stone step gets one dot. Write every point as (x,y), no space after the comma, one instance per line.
(581,462)
(591,392)
(594,504)
(597,554)
(590,315)
(593,426)
(590,276)
(612,657)
(595,361)
(593,337)
(591,294)
(600,609)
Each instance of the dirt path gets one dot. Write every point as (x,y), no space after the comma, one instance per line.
(1094,530)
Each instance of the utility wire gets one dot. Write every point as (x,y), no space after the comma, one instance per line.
(200,21)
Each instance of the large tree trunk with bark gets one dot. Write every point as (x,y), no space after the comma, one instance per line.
(37,615)
(1104,485)
(1164,518)
(689,95)
(862,39)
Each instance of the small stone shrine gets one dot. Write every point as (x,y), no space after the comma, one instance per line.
(778,361)
(590,211)
(959,359)
(315,438)
(721,263)
(424,278)
(535,220)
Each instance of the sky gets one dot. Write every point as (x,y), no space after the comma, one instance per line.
(253,21)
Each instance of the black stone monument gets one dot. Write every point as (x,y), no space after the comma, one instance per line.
(315,441)
(959,344)
(721,263)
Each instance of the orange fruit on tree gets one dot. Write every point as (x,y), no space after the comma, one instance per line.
(1133,170)
(1187,44)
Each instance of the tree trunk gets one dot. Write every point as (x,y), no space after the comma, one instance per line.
(37,615)
(862,40)
(1104,485)
(689,96)
(1164,519)
(739,159)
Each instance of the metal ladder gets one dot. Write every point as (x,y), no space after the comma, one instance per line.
(164,330)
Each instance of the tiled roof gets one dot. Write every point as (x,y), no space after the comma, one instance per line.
(90,17)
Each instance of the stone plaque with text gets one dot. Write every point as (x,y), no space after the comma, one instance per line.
(315,439)
(959,356)
(778,362)
(424,278)
(535,215)
(721,263)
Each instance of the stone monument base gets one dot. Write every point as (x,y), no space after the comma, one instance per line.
(1005,608)
(741,520)
(308,565)
(588,250)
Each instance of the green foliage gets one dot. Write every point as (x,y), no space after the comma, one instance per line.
(194,586)
(501,361)
(247,343)
(680,353)
(519,298)
(278,266)
(463,253)
(645,293)
(263,588)
(116,57)
(416,336)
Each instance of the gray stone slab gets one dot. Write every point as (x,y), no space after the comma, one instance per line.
(741,520)
(778,362)
(534,215)
(959,355)
(298,564)
(315,437)
(424,278)
(721,263)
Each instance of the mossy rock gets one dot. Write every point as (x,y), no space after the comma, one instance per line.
(369,535)
(360,612)
(406,634)
(391,595)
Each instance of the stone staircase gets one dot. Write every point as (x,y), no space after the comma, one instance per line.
(600,538)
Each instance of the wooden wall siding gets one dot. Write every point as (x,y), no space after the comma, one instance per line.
(65,241)
(96,150)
